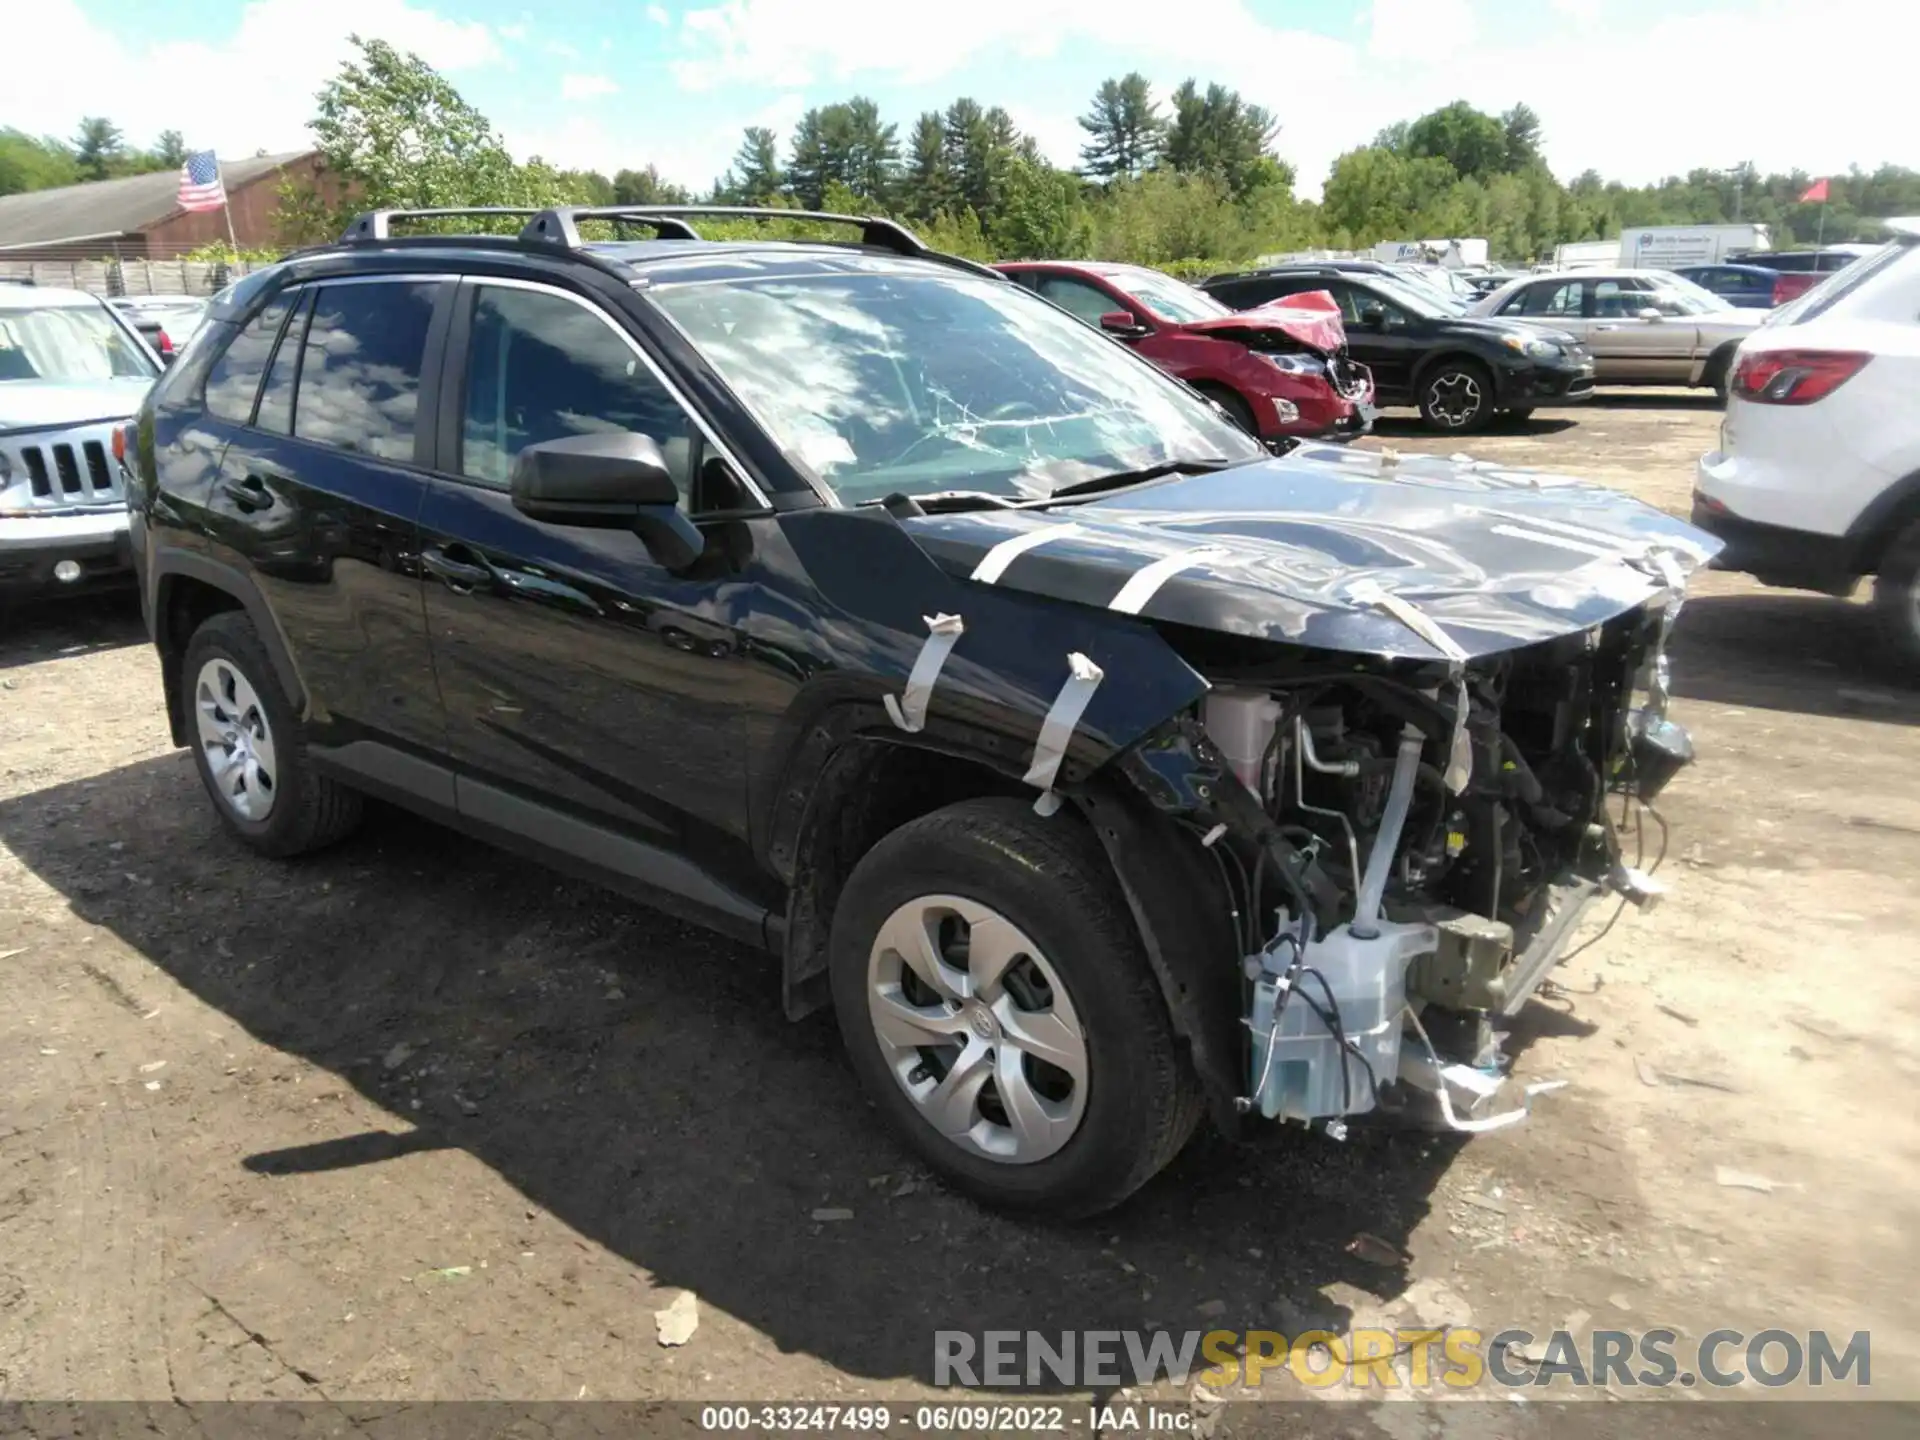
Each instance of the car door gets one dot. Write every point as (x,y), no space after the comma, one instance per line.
(1634,346)
(316,499)
(594,698)
(1380,335)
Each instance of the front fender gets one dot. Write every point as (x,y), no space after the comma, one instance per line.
(876,589)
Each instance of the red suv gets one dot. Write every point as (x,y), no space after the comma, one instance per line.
(1281,371)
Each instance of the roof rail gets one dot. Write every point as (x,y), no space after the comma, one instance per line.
(378,224)
(560,225)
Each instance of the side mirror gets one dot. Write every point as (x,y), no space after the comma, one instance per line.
(615,481)
(1374,317)
(1649,312)
(1123,324)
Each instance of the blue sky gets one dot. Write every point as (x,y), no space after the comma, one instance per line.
(1634,88)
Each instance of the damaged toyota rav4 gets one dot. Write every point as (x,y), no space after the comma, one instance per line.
(1096,768)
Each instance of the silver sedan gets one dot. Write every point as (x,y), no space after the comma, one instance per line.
(1644,327)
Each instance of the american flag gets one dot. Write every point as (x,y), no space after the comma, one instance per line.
(200,187)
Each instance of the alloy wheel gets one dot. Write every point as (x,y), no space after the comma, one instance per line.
(235,739)
(978,1029)
(1454,399)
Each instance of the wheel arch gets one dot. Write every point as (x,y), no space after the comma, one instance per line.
(1886,516)
(865,783)
(852,784)
(187,589)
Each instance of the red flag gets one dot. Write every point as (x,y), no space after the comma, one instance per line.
(1816,193)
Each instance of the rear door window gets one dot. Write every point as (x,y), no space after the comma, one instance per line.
(276,395)
(359,385)
(234,380)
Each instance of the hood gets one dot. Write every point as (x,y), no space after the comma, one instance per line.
(1299,550)
(45,404)
(1311,319)
(1493,327)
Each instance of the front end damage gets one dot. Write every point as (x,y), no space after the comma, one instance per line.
(1352,728)
(1407,849)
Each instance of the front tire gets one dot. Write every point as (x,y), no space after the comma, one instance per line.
(997,1005)
(1236,406)
(1456,397)
(249,748)
(1896,596)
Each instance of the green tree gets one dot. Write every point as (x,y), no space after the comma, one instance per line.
(822,154)
(1522,128)
(755,176)
(928,181)
(31,163)
(170,151)
(979,146)
(1124,128)
(1374,195)
(97,147)
(1472,142)
(873,159)
(644,187)
(398,135)
(1040,214)
(1219,132)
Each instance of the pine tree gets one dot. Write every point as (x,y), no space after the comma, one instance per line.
(1125,128)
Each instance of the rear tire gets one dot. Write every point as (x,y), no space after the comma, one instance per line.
(1896,597)
(986,893)
(249,748)
(1456,397)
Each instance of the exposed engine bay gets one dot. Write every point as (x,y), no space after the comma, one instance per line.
(1448,825)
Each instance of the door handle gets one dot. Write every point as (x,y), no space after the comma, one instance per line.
(457,575)
(1606,327)
(249,494)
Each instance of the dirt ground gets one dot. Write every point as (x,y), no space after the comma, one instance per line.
(413,1120)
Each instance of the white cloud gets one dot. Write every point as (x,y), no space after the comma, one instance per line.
(252,91)
(586,87)
(658,15)
(1420,29)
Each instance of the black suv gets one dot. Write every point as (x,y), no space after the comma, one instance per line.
(1459,370)
(856,602)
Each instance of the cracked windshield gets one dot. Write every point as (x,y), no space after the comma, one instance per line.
(886,383)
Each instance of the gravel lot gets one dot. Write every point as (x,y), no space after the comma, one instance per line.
(412,1120)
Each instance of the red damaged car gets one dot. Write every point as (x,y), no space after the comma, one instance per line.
(1282,370)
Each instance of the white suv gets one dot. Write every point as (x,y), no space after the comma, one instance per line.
(1817,479)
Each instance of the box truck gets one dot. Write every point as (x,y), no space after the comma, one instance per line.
(1663,247)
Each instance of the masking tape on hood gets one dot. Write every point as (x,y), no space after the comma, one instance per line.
(909,712)
(1460,752)
(1142,585)
(1083,678)
(994,563)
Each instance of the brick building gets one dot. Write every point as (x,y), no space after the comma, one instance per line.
(139,217)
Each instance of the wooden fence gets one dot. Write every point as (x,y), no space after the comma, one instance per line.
(131,277)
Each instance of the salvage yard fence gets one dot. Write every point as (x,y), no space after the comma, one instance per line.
(132,277)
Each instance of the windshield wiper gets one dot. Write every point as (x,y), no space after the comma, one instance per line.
(1151,472)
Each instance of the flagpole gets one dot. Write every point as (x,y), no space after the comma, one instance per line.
(1820,240)
(226,207)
